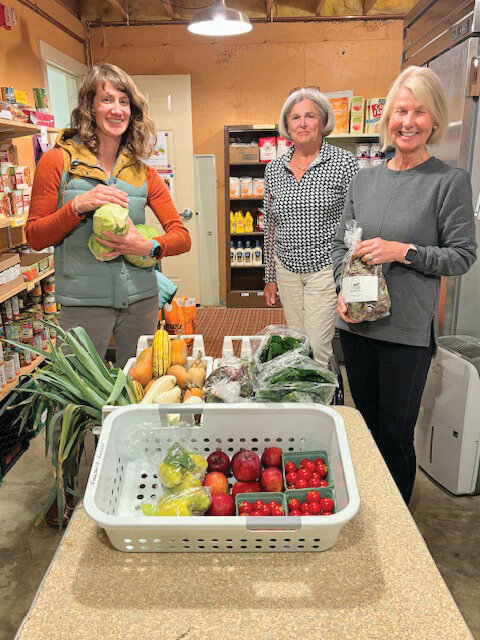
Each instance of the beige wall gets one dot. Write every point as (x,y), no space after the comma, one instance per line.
(244,80)
(20,61)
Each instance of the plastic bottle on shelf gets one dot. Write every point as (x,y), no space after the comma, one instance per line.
(247,255)
(232,222)
(239,255)
(257,254)
(232,254)
(248,221)
(239,222)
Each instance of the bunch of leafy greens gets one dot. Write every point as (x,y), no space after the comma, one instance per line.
(70,390)
(276,345)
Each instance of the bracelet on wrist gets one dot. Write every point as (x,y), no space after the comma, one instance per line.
(76,209)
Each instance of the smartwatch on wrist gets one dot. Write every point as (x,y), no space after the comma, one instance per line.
(156,249)
(410,254)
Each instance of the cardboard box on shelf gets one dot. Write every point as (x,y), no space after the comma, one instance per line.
(33,264)
(243,153)
(8,260)
(357,114)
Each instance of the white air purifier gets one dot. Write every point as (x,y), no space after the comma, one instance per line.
(448,428)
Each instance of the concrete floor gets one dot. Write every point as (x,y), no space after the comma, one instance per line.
(449,525)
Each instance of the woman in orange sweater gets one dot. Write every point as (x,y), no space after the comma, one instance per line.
(95,162)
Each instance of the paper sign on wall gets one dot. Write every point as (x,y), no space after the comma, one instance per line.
(169,179)
(159,155)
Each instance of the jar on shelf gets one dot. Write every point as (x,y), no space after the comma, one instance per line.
(49,284)
(49,304)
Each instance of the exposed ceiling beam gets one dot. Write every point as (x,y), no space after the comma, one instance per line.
(318,9)
(269,8)
(119,7)
(170,8)
(367,5)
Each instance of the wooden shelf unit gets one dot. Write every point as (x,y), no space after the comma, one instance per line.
(245,284)
(17,129)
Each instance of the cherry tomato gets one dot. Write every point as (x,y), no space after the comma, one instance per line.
(323,483)
(291,477)
(242,512)
(245,506)
(308,464)
(273,503)
(266,510)
(257,505)
(313,496)
(294,503)
(256,512)
(305,474)
(290,466)
(295,512)
(301,484)
(314,507)
(326,513)
(304,507)
(315,481)
(326,504)
(322,470)
(291,486)
(278,511)
(318,461)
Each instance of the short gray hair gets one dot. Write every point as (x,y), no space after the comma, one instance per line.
(320,101)
(427,88)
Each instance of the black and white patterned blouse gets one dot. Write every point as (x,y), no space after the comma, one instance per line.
(301,217)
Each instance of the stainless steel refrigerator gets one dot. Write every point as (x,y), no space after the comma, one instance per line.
(445,35)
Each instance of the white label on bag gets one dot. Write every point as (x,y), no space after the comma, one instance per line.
(360,289)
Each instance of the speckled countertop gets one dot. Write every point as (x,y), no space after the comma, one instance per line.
(377,582)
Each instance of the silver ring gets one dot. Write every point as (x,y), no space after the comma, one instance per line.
(369,257)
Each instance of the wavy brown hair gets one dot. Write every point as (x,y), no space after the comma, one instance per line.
(137,141)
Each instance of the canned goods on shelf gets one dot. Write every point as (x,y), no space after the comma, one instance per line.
(49,304)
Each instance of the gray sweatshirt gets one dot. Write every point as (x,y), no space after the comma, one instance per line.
(429,206)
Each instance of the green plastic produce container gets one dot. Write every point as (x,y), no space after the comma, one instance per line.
(301,494)
(298,456)
(266,496)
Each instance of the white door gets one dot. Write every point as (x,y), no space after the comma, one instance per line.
(170,104)
(207,216)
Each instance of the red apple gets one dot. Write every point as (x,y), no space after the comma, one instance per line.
(272,457)
(246,466)
(222,505)
(217,482)
(271,479)
(246,487)
(219,461)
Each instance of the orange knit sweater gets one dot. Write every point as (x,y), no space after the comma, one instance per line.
(47,225)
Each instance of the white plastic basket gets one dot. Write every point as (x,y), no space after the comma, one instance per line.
(121,480)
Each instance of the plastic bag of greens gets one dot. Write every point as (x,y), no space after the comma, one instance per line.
(231,381)
(294,377)
(364,289)
(276,339)
(108,217)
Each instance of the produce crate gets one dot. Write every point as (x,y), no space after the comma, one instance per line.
(298,456)
(249,345)
(146,341)
(122,477)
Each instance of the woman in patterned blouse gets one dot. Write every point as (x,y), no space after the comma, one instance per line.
(305,191)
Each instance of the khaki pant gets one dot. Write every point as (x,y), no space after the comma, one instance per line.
(309,302)
(127,325)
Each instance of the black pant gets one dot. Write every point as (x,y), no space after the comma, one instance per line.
(386,381)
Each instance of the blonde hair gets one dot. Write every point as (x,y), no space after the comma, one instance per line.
(137,141)
(320,101)
(427,89)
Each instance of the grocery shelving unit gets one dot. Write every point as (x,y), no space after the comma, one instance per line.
(12,233)
(245,283)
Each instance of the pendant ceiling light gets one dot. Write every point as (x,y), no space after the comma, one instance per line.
(220,20)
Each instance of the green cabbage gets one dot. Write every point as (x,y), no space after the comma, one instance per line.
(108,217)
(143,261)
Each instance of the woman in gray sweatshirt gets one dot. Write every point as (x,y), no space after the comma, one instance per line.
(417,220)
